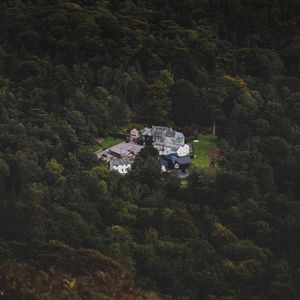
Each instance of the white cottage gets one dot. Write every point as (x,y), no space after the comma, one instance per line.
(123,166)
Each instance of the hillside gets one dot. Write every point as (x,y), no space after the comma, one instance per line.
(74,72)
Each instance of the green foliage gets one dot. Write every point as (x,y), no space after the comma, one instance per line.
(71,72)
(157,104)
(104,280)
(185,102)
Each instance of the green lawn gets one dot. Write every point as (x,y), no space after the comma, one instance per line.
(201,158)
(110,141)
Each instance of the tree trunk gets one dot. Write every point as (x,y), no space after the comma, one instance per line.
(214,128)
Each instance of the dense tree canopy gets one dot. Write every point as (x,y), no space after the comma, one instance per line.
(71,72)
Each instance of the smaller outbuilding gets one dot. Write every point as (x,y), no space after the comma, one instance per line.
(122,165)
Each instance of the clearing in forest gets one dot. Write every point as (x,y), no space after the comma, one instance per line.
(200,146)
(110,141)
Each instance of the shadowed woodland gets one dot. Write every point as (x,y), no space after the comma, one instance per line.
(71,72)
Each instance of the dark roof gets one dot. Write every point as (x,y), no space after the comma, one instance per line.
(124,148)
(183,160)
(175,158)
(171,156)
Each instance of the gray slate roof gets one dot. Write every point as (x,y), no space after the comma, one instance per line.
(162,132)
(124,148)
(183,160)
(118,162)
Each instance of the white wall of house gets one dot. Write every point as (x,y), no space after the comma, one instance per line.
(184,150)
(163,168)
(122,169)
(134,134)
(181,151)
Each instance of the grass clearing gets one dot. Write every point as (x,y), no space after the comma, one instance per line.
(110,141)
(201,159)
(184,183)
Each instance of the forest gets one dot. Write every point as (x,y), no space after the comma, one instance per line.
(71,72)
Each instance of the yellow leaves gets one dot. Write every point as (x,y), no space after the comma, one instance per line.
(101,277)
(223,235)
(55,167)
(247,100)
(228,264)
(69,283)
(242,268)
(71,6)
(117,229)
(151,296)
(239,83)
(193,35)
(167,77)
(238,267)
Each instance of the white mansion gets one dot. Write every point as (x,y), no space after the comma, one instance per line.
(166,140)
